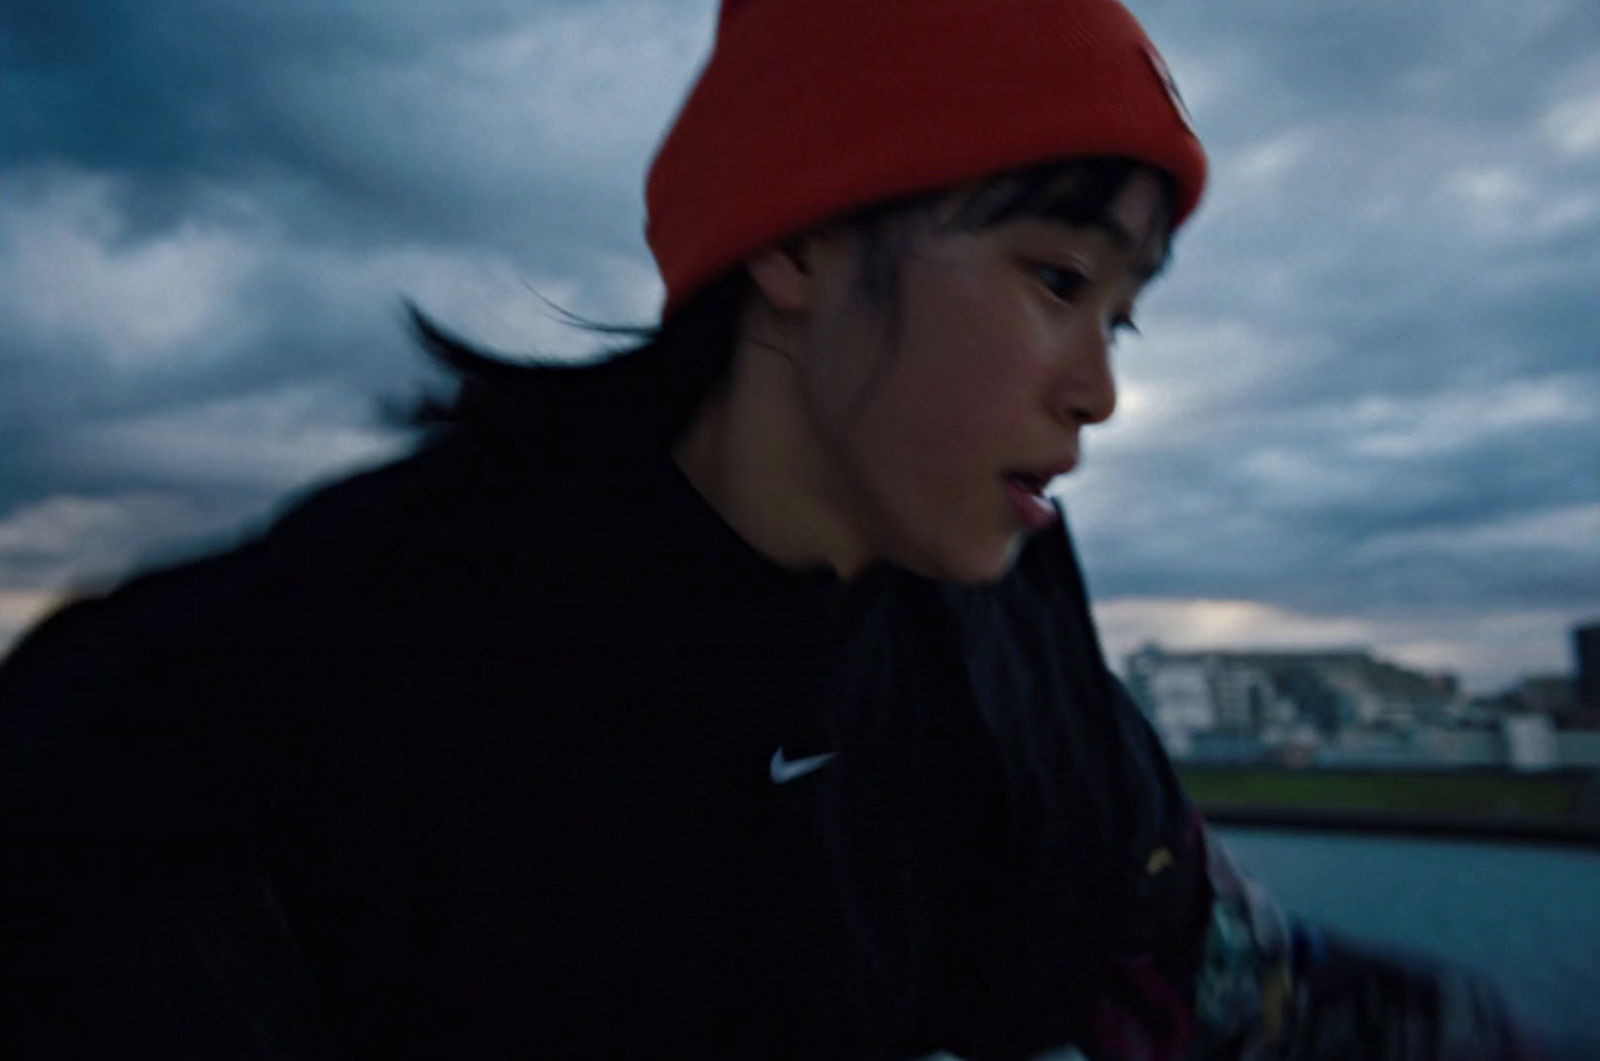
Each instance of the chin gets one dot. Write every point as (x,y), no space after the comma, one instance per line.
(976,565)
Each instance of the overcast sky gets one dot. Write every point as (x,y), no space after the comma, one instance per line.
(1365,410)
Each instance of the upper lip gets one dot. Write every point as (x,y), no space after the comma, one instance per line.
(1040,476)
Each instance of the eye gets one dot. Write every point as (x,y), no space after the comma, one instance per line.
(1063,282)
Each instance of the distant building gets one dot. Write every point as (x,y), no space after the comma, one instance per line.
(1586,647)
(1554,696)
(1183,696)
(1287,703)
(1345,708)
(1545,694)
(1530,742)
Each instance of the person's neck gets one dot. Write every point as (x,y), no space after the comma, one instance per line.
(753,455)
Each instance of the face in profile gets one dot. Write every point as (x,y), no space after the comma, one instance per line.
(944,410)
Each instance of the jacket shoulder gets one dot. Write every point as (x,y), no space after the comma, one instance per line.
(354,531)
(310,626)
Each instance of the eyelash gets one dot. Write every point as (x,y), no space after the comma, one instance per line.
(1070,283)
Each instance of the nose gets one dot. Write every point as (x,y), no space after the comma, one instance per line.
(1087,387)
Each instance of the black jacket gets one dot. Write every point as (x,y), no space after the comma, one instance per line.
(467,758)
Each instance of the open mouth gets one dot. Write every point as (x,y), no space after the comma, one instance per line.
(1028,481)
(1032,508)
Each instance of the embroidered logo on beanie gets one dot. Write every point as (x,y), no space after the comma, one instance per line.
(1164,75)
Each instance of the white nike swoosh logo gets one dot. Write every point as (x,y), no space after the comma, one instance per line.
(786,770)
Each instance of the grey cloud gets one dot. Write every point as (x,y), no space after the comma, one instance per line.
(345,156)
(1341,387)
(1396,221)
(357,121)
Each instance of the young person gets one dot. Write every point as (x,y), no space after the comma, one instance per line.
(735,697)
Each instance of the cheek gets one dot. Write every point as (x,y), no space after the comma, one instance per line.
(941,426)
(937,403)
(972,376)
(843,382)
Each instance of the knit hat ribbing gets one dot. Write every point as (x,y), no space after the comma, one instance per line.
(809,109)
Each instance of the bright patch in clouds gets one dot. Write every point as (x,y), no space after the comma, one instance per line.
(1488,187)
(21,609)
(70,541)
(1274,160)
(276,439)
(75,277)
(1573,126)
(1440,423)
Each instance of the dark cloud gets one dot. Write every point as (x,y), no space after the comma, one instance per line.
(1368,402)
(475,123)
(1372,384)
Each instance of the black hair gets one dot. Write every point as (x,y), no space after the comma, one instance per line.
(657,380)
(667,372)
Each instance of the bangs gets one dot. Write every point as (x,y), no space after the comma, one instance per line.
(1077,193)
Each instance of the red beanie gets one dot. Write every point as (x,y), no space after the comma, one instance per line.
(809,109)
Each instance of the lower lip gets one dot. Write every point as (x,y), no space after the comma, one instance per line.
(1035,512)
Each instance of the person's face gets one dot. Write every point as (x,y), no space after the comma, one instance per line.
(943,412)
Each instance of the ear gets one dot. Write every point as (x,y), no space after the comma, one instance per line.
(781,273)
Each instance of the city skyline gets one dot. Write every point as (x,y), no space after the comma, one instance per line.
(1572,671)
